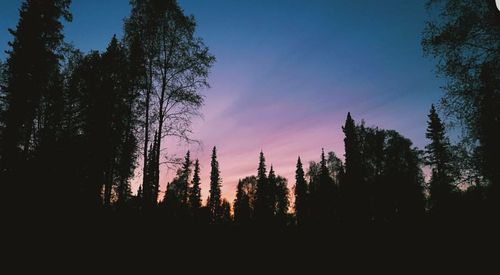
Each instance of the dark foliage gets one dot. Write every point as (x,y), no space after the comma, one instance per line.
(464,38)
(215,210)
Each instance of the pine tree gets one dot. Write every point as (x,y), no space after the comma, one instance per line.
(114,110)
(195,191)
(85,128)
(438,156)
(263,210)
(32,93)
(323,197)
(301,196)
(183,187)
(214,203)
(101,112)
(354,205)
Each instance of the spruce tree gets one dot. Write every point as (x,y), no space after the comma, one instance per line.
(214,203)
(112,113)
(323,199)
(33,103)
(195,190)
(263,213)
(354,205)
(183,187)
(300,194)
(438,156)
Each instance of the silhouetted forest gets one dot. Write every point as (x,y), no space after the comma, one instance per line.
(75,126)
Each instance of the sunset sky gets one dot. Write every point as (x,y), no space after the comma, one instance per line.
(287,73)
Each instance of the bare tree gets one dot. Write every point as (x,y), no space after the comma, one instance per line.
(178,65)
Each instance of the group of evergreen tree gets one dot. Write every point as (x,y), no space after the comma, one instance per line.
(182,201)
(74,125)
(380,181)
(262,199)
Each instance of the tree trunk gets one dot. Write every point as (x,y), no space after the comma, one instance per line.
(145,181)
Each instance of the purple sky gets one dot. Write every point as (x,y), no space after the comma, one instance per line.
(287,73)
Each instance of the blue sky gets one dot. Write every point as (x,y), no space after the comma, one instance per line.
(287,73)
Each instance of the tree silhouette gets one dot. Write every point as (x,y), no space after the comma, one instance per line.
(177,65)
(99,125)
(373,147)
(272,186)
(171,202)
(464,39)
(263,211)
(214,202)
(244,201)
(72,125)
(151,189)
(225,217)
(177,199)
(282,201)
(117,114)
(278,198)
(126,166)
(393,180)
(32,97)
(323,195)
(354,205)
(439,158)
(195,190)
(404,179)
(241,206)
(184,187)
(141,26)
(301,196)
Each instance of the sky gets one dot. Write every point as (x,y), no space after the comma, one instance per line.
(287,73)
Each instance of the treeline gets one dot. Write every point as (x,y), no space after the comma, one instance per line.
(75,126)
(381,182)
